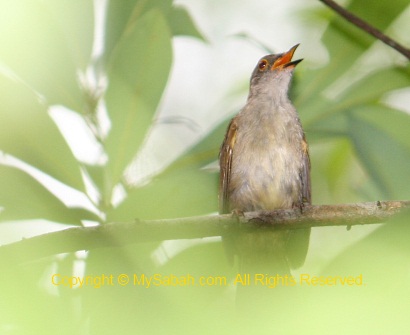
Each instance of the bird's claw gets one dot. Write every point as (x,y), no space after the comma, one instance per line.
(237,214)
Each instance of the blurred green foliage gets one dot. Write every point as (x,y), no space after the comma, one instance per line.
(360,150)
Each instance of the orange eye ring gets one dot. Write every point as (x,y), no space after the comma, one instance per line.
(263,64)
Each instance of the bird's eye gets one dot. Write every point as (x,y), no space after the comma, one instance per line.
(263,64)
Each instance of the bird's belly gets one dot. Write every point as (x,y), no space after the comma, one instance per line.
(265,179)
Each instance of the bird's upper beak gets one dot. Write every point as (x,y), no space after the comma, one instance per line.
(285,59)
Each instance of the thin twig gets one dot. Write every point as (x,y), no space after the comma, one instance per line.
(126,233)
(367,27)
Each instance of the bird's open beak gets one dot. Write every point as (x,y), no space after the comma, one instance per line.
(285,59)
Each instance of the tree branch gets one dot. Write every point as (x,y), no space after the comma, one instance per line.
(367,27)
(125,233)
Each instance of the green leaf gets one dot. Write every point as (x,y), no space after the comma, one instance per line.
(182,189)
(328,125)
(78,38)
(24,198)
(138,72)
(371,88)
(28,133)
(22,291)
(204,152)
(180,193)
(327,116)
(345,42)
(122,15)
(338,165)
(168,301)
(395,123)
(43,46)
(181,23)
(386,159)
(380,138)
(381,258)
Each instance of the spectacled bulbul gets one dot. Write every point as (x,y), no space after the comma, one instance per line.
(264,165)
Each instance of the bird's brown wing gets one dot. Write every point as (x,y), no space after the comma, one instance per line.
(225,163)
(298,240)
(305,174)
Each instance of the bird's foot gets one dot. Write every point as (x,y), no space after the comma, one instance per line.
(300,205)
(237,214)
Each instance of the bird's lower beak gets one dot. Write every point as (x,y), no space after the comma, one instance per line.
(285,59)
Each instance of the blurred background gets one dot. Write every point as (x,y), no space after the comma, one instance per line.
(115,111)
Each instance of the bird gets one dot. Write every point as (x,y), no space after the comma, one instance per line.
(265,165)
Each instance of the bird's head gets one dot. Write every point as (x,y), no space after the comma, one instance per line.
(275,69)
